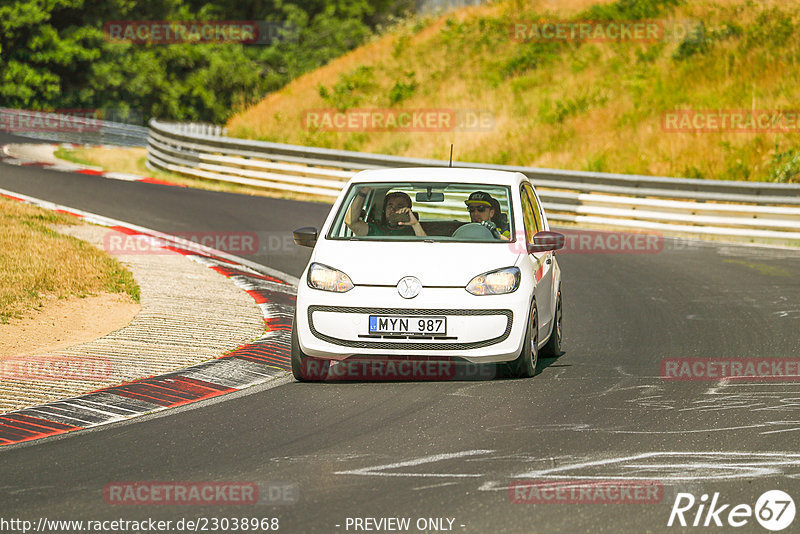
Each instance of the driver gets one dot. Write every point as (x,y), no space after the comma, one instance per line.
(485,209)
(394,220)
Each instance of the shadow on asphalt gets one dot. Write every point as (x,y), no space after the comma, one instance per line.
(453,372)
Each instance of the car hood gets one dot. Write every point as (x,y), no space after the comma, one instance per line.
(435,264)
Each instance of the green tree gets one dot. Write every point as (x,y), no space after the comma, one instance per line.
(54,55)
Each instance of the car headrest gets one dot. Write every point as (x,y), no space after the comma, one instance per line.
(473,231)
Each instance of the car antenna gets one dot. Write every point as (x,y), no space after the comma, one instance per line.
(451,154)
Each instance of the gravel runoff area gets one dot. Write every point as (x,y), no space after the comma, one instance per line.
(43,153)
(189,314)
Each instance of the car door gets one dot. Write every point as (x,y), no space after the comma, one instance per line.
(542,262)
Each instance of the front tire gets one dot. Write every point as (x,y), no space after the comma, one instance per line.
(306,368)
(525,364)
(553,347)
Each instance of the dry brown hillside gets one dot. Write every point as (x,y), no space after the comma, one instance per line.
(567,103)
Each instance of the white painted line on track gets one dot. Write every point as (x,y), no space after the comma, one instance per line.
(378,470)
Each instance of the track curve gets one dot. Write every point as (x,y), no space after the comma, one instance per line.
(451,449)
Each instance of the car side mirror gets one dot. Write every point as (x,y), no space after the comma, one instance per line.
(306,236)
(545,241)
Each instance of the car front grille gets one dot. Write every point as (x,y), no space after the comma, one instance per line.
(385,343)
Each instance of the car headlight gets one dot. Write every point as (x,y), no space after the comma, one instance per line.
(496,282)
(328,279)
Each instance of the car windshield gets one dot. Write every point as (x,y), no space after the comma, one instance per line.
(446,211)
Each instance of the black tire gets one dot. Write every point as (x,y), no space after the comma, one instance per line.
(525,364)
(553,347)
(306,368)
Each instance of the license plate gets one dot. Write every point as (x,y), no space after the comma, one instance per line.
(400,324)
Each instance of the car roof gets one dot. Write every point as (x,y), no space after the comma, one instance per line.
(439,174)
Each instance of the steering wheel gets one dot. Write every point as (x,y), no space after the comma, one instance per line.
(473,232)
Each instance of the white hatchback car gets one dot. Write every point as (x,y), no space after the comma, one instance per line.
(430,263)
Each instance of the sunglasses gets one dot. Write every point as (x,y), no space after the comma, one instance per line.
(480,209)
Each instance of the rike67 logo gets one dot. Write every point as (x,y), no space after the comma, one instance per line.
(774,510)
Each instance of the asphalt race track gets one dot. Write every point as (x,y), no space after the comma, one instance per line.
(451,449)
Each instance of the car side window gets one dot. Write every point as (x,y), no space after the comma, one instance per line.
(537,212)
(342,230)
(528,216)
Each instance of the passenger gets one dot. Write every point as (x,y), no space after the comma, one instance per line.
(485,209)
(397,218)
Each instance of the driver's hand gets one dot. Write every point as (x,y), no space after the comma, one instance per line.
(492,228)
(411,219)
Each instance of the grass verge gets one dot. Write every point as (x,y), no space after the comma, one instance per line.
(37,263)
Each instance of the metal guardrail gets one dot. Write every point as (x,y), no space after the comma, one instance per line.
(68,128)
(761,211)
